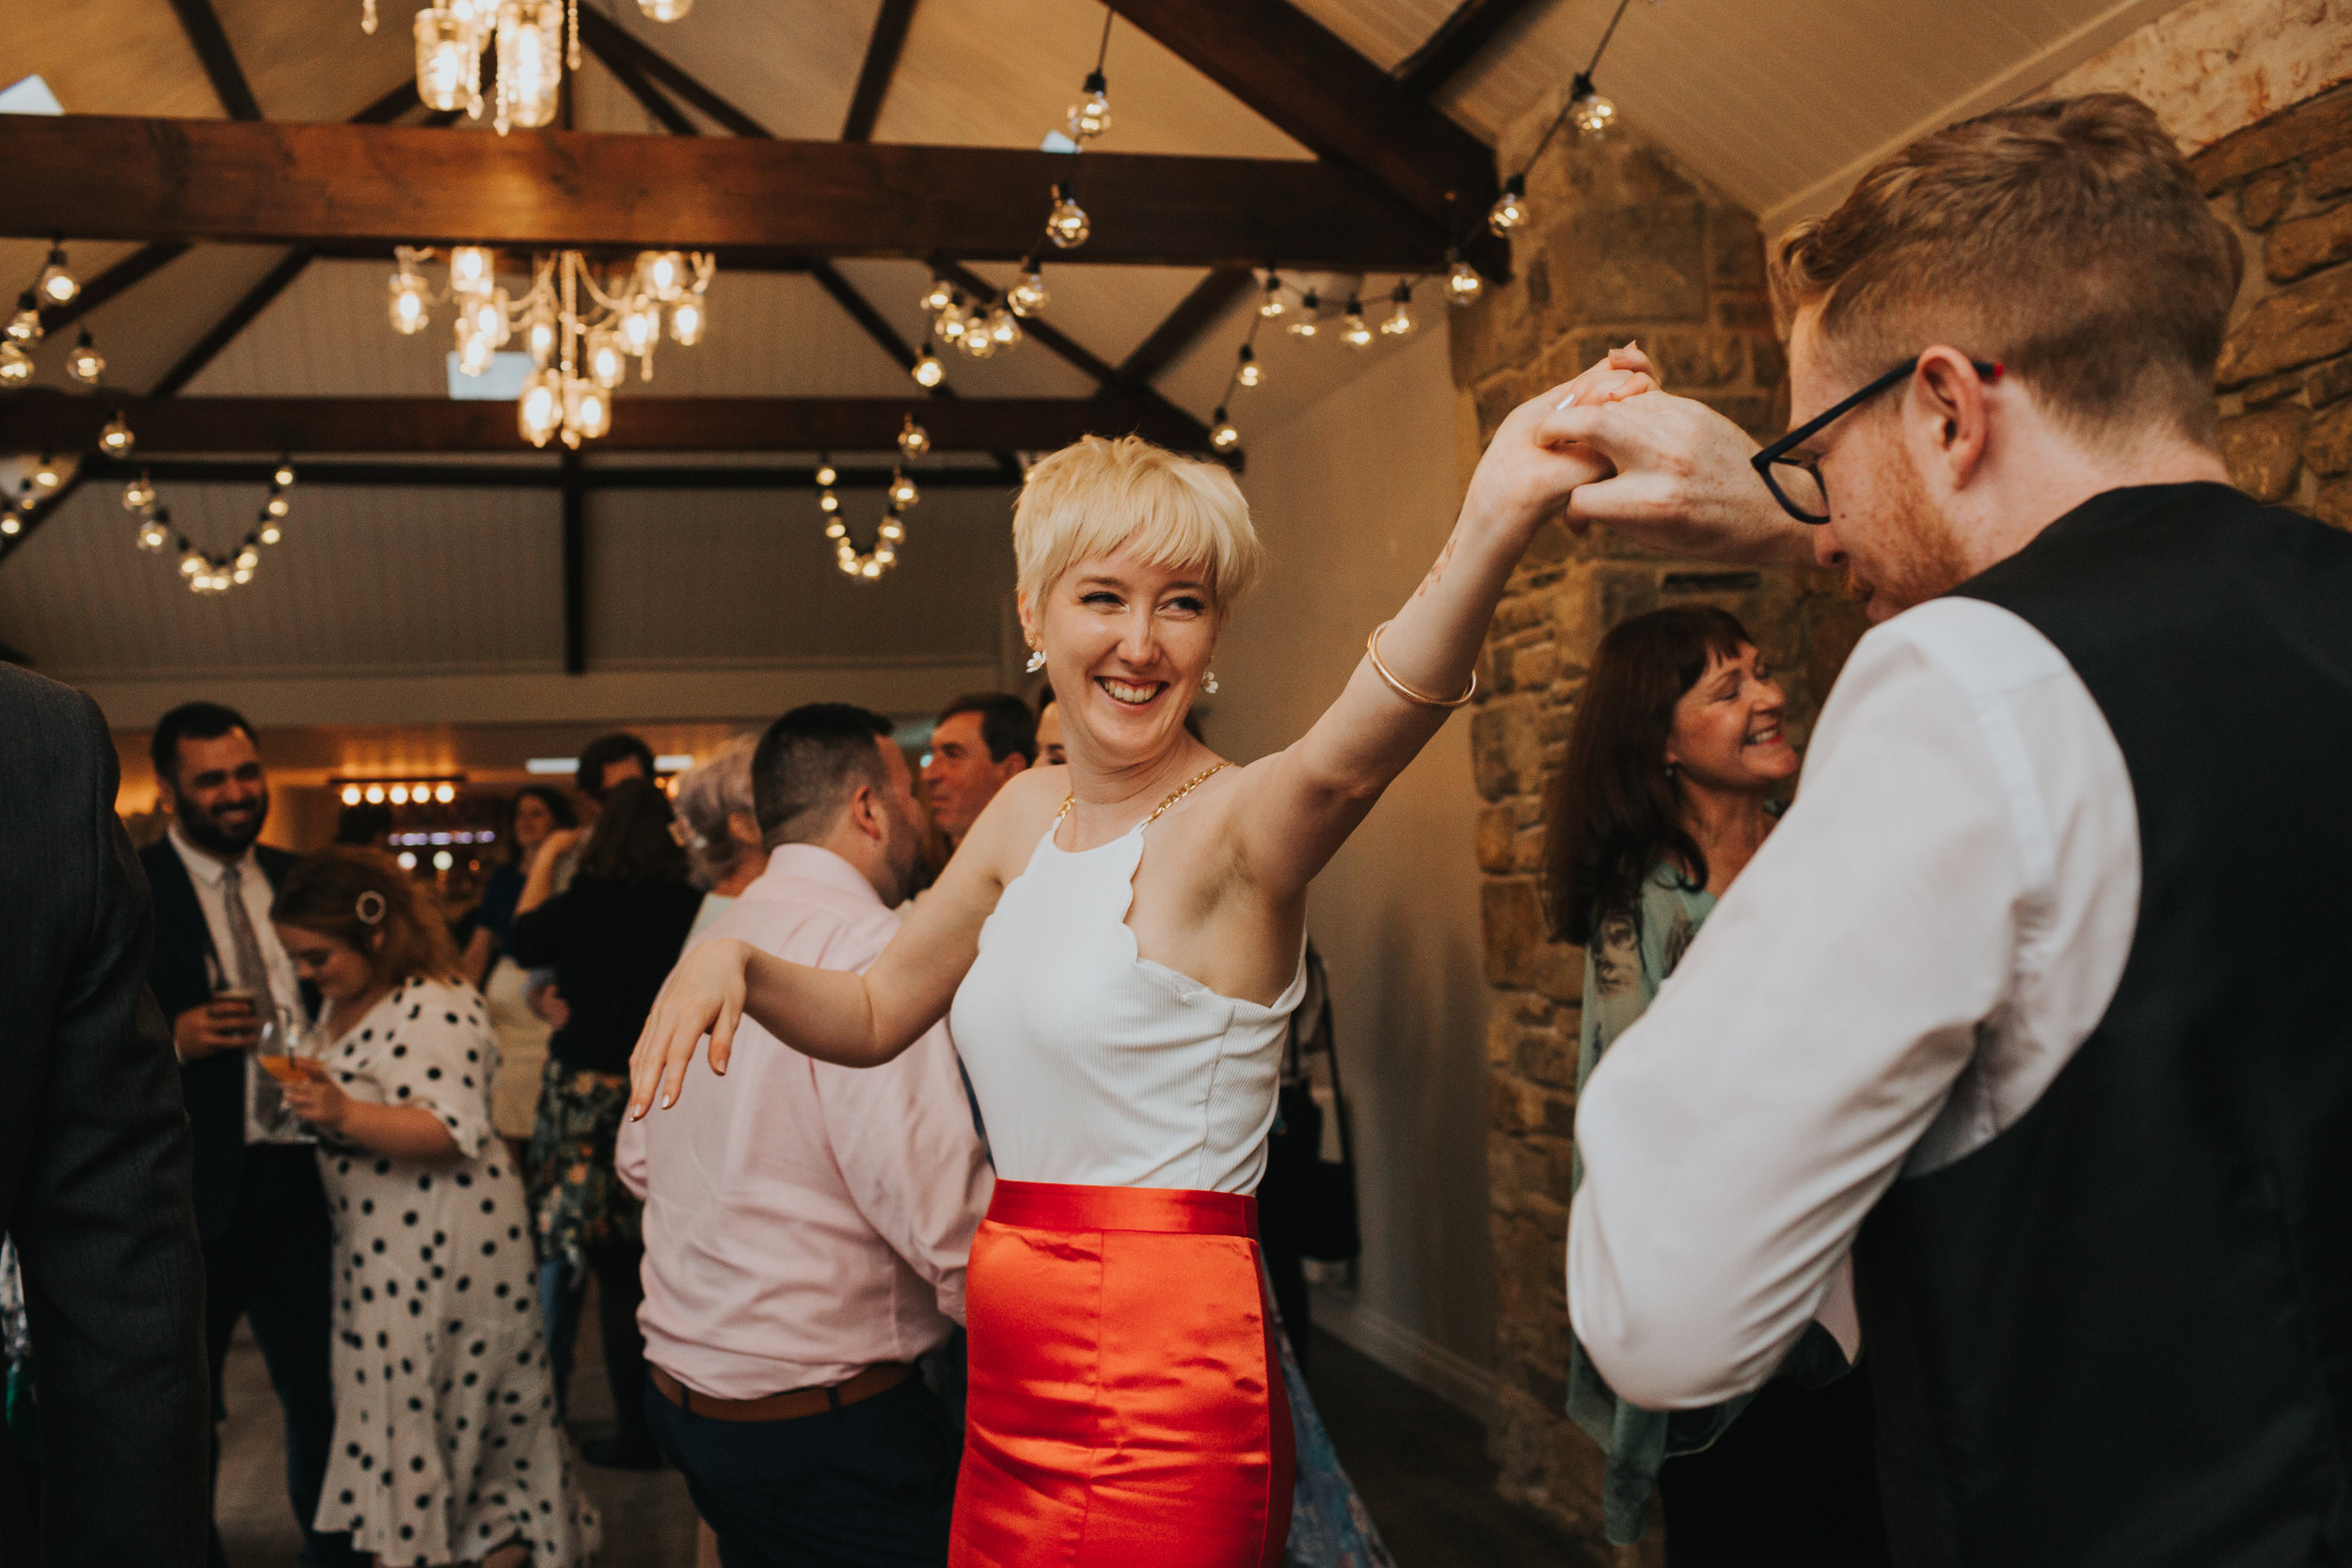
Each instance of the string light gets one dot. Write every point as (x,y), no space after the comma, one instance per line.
(1028,297)
(116,438)
(1091,114)
(689,317)
(902,491)
(85,364)
(16,366)
(25,327)
(937,297)
(139,494)
(825,473)
(1510,208)
(914,440)
(1306,325)
(284,477)
(56,285)
(1272,305)
(154,533)
(1353,332)
(1250,373)
(1222,436)
(1400,320)
(1067,224)
(928,370)
(45,474)
(1592,113)
(1462,283)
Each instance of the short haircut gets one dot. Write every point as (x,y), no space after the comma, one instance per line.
(705,797)
(2065,239)
(808,766)
(1098,495)
(632,841)
(326,894)
(191,721)
(606,749)
(1006,726)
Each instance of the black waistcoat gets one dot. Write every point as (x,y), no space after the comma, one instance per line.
(2120,1332)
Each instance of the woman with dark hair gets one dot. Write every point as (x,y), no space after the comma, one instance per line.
(1674,765)
(536,815)
(441,1387)
(611,938)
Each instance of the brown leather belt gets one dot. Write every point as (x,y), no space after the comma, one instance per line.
(879,1378)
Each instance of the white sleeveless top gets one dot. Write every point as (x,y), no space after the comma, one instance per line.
(1095,1066)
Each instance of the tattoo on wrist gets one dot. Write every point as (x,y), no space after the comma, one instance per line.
(1436,569)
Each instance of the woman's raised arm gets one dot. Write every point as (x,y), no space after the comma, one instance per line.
(1305,800)
(839,1016)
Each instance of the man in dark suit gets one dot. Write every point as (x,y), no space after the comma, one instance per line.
(94,1184)
(219,972)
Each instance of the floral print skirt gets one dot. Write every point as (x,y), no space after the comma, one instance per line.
(576,1200)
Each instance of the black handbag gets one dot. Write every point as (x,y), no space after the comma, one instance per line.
(1328,1231)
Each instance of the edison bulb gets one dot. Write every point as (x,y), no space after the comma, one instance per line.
(473,269)
(1251,372)
(539,336)
(284,477)
(276,507)
(530,62)
(1068,226)
(1003,328)
(1400,322)
(449,58)
(893,528)
(45,474)
(488,318)
(688,318)
(607,365)
(928,370)
(1592,114)
(1028,297)
(139,495)
(914,440)
(1353,332)
(190,565)
(153,536)
(902,491)
(826,473)
(270,535)
(1510,208)
(408,306)
(25,327)
(116,438)
(587,411)
(444,793)
(473,352)
(640,327)
(247,559)
(16,366)
(1091,114)
(1306,325)
(85,364)
(400,795)
(1462,283)
(375,794)
(827,502)
(836,530)
(10,523)
(975,341)
(1222,436)
(56,285)
(539,412)
(1272,305)
(351,795)
(665,274)
(937,297)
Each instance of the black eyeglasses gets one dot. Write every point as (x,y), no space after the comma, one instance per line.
(1796,482)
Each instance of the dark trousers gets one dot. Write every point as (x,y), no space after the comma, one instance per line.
(620,1290)
(1794,1482)
(873,1483)
(272,1263)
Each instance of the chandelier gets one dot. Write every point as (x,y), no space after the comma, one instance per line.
(579,354)
(535,42)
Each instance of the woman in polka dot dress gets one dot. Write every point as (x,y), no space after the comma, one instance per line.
(448,1446)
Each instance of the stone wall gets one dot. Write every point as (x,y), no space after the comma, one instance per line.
(1622,244)
(2286,374)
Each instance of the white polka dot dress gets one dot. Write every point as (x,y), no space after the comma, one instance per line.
(447,1441)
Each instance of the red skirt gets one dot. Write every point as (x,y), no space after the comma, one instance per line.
(1126,1404)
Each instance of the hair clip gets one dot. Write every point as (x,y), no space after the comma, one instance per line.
(371,908)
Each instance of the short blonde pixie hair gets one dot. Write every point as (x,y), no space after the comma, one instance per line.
(1097,497)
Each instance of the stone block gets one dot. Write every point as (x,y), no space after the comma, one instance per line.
(2264,197)
(1737,247)
(2329,173)
(1693,359)
(1506,756)
(2303,322)
(2326,446)
(1547,1056)
(2271,389)
(2262,451)
(2326,384)
(1634,264)
(2322,123)
(1514,920)
(1496,838)
(2303,246)
(2334,505)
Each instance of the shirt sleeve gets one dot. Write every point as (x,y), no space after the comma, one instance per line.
(903,1133)
(628,1157)
(537,939)
(1735,1137)
(435,1055)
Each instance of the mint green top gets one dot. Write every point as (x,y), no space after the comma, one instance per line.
(1630,954)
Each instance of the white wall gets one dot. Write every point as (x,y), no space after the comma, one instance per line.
(1354,496)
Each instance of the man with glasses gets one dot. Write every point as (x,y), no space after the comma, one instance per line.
(2031,1006)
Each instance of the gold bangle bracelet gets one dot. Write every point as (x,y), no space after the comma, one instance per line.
(1372,647)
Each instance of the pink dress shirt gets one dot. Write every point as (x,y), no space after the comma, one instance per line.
(804,1221)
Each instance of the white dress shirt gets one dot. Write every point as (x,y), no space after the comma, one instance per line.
(1932,931)
(804,1221)
(266,1119)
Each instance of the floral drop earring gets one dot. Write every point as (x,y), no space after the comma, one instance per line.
(1037,661)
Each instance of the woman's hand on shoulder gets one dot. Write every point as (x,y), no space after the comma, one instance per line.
(704,995)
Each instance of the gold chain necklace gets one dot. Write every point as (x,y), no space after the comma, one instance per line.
(1186,788)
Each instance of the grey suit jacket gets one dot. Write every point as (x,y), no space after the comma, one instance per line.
(94,1162)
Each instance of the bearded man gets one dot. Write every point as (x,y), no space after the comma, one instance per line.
(219,974)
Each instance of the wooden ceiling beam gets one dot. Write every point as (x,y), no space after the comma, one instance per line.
(873,76)
(103,177)
(205,36)
(38,422)
(330,473)
(1302,77)
(1458,41)
(1193,314)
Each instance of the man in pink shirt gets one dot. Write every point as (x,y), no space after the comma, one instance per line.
(807,1226)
